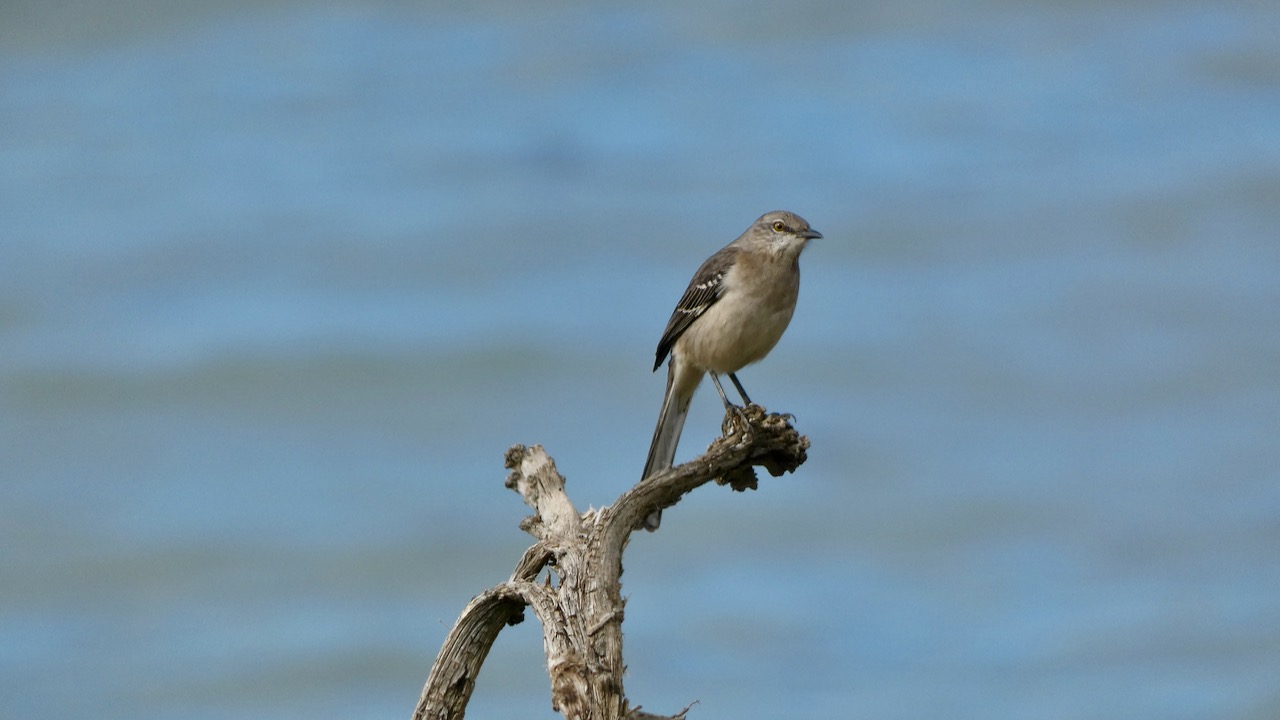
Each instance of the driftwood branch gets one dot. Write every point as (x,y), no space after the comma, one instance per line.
(579,603)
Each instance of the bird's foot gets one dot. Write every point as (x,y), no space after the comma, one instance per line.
(738,419)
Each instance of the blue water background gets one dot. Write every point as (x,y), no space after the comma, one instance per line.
(280,282)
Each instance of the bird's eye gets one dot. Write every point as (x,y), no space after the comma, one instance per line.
(778,226)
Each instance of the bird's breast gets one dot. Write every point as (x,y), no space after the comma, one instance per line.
(742,327)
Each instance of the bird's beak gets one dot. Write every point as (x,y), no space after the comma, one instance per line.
(810,234)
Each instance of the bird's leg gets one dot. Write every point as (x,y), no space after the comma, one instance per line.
(733,414)
(715,378)
(745,400)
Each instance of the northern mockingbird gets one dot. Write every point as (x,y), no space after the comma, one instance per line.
(732,314)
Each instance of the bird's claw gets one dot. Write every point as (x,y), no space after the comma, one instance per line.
(735,418)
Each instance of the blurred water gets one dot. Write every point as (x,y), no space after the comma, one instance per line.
(279,284)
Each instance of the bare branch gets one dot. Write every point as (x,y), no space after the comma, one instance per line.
(582,616)
(751,437)
(453,676)
(534,475)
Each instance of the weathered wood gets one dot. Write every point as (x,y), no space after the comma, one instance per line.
(580,603)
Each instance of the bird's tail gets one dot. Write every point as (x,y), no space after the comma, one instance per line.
(666,435)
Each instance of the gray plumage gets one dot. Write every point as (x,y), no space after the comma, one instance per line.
(733,312)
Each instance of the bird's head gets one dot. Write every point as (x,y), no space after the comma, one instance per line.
(784,233)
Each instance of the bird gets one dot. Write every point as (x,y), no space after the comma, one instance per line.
(733,312)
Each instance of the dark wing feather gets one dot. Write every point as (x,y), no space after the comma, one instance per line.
(704,290)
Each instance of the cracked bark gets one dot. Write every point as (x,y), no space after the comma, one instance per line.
(579,602)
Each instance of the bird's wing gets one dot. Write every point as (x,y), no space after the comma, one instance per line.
(704,290)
